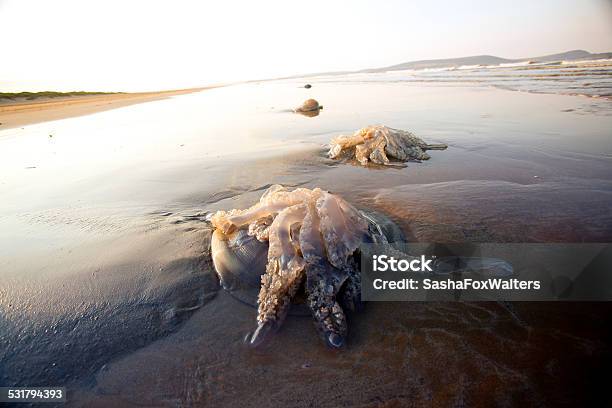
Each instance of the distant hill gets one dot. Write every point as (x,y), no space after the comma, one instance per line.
(444,63)
(473,60)
(564,56)
(489,60)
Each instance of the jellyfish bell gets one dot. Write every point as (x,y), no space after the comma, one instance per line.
(239,260)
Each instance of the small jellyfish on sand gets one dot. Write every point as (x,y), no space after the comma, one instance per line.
(378,143)
(310,107)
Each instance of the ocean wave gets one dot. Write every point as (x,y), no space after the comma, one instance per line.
(590,78)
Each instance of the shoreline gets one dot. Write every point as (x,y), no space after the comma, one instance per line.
(24,112)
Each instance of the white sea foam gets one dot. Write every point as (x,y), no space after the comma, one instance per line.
(592,78)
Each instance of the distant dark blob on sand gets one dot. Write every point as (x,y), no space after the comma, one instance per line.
(307,86)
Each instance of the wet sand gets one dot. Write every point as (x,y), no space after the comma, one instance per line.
(105,277)
(21,112)
(460,354)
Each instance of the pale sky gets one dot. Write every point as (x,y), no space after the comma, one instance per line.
(149,45)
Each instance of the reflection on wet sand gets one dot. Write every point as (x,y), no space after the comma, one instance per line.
(93,302)
(398,354)
(487,211)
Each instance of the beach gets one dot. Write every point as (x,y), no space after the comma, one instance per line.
(106,281)
(22,111)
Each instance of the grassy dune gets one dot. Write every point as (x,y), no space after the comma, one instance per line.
(47,94)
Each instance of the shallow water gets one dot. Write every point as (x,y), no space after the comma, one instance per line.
(580,77)
(105,276)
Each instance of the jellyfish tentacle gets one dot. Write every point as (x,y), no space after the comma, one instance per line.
(350,293)
(344,143)
(323,282)
(274,300)
(284,271)
(272,202)
(260,228)
(378,154)
(281,246)
(342,228)
(311,242)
